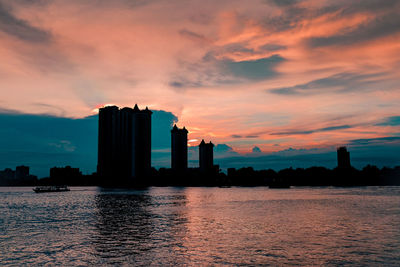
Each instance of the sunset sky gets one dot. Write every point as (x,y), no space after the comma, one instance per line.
(278,75)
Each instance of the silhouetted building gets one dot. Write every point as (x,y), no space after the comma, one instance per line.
(231,172)
(179,148)
(206,155)
(7,174)
(66,172)
(124,147)
(343,158)
(21,172)
(125,143)
(141,142)
(20,176)
(107,157)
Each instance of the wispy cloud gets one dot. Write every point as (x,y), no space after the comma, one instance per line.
(385,25)
(244,136)
(377,141)
(390,121)
(196,37)
(20,28)
(305,132)
(340,82)
(211,72)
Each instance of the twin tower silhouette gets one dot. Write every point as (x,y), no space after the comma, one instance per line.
(124,148)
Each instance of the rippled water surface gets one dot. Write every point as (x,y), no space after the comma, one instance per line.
(206,226)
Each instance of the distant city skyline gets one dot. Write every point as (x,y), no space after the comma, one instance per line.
(43,141)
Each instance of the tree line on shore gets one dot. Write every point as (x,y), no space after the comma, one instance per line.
(247,176)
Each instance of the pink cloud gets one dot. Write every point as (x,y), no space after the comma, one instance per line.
(193,59)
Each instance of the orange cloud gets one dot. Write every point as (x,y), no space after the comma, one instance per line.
(197,60)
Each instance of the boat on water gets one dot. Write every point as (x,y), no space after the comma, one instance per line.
(55,188)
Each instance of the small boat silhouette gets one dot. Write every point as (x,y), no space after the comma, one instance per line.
(56,188)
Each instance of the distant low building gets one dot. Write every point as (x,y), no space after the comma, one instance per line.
(21,172)
(20,176)
(231,171)
(7,174)
(65,173)
(343,158)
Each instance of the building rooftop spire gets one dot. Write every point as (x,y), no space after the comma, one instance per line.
(147,110)
(176,129)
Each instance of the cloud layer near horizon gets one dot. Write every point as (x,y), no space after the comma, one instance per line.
(273,74)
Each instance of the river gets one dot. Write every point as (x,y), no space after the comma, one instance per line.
(201,226)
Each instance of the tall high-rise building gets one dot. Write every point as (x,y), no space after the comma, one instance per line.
(125,142)
(206,155)
(179,148)
(124,147)
(141,141)
(343,158)
(107,154)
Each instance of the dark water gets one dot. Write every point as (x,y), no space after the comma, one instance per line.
(201,226)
